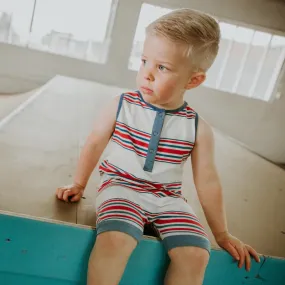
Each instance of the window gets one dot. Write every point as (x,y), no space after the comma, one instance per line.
(15,20)
(148,14)
(249,61)
(75,28)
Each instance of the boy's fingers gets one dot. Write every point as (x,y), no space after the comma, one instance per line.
(76,198)
(241,255)
(253,253)
(247,259)
(232,251)
(59,193)
(66,194)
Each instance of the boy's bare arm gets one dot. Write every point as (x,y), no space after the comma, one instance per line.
(91,152)
(209,191)
(206,179)
(96,142)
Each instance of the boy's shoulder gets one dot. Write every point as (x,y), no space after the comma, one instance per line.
(129,96)
(204,131)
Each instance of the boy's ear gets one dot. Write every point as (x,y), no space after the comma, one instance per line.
(196,79)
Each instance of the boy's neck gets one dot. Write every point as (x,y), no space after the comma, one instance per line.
(171,105)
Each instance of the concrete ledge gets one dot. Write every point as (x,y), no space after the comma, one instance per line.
(38,252)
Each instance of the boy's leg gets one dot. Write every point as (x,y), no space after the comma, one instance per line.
(120,224)
(185,240)
(109,258)
(187,266)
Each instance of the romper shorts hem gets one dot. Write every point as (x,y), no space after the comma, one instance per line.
(125,210)
(186,240)
(119,226)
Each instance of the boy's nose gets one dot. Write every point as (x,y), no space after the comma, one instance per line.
(148,76)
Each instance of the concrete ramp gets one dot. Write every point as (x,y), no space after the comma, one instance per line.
(39,146)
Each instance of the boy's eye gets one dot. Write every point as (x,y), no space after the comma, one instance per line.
(143,61)
(162,68)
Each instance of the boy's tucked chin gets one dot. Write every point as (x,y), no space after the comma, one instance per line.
(151,99)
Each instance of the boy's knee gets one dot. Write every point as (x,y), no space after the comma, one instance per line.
(114,242)
(111,250)
(190,256)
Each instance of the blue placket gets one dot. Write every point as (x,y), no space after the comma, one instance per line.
(154,140)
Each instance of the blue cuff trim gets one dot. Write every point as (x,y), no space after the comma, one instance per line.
(186,240)
(120,226)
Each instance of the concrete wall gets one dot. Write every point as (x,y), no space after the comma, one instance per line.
(254,123)
(258,125)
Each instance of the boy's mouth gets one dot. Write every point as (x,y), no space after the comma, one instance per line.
(146,90)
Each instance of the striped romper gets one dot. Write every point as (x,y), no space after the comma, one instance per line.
(142,174)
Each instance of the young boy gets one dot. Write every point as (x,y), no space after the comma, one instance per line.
(152,132)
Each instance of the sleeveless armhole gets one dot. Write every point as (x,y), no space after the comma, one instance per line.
(120,105)
(196,125)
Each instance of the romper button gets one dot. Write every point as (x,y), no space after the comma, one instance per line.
(151,151)
(155,133)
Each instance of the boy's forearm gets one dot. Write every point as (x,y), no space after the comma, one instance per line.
(88,160)
(211,199)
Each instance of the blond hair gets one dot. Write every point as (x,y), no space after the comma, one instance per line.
(198,30)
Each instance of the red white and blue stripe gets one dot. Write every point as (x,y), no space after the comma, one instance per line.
(128,211)
(145,134)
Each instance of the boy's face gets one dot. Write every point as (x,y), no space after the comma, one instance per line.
(165,72)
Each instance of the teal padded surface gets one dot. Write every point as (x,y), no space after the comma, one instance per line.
(36,252)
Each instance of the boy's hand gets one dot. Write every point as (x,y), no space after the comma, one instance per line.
(237,249)
(70,193)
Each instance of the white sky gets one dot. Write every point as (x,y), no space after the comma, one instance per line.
(87,19)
